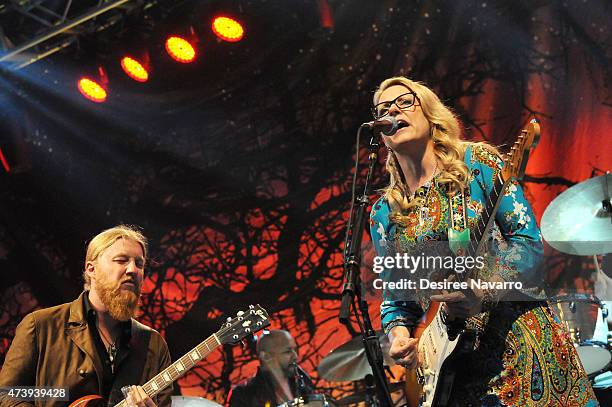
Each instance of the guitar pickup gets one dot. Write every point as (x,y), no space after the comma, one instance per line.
(420,376)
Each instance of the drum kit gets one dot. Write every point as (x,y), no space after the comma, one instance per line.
(579,222)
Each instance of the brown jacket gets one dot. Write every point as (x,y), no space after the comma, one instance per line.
(53,347)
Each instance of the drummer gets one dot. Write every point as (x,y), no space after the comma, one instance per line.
(278,380)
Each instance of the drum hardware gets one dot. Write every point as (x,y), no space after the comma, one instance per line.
(183,401)
(348,362)
(582,314)
(579,220)
(311,400)
(595,357)
(360,396)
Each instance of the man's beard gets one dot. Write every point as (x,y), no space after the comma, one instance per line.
(121,304)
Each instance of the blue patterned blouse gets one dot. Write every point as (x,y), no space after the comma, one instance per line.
(515,234)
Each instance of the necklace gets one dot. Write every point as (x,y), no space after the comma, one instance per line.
(111,348)
(424,208)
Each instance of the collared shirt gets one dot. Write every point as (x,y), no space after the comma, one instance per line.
(122,345)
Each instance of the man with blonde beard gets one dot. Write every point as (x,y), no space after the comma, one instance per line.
(92,345)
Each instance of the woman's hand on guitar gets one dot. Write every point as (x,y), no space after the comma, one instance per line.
(403,348)
(458,305)
(137,397)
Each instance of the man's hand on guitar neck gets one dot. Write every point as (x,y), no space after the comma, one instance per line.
(136,397)
(403,348)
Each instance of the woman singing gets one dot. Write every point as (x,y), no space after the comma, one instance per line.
(523,356)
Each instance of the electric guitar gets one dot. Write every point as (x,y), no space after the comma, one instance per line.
(233,331)
(441,342)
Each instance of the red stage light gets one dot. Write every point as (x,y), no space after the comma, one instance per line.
(228,29)
(134,69)
(92,90)
(5,163)
(180,49)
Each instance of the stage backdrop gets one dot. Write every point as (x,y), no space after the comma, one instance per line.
(238,167)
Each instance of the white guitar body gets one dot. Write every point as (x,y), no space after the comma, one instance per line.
(434,350)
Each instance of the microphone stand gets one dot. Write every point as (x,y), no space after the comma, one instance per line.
(352,281)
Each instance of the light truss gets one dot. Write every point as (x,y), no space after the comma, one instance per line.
(48,26)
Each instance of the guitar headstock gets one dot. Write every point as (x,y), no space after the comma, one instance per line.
(245,323)
(516,160)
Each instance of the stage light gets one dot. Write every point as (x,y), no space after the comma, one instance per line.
(227,29)
(94,85)
(325,15)
(5,163)
(134,69)
(180,49)
(92,90)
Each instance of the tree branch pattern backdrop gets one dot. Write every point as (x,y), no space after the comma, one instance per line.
(239,166)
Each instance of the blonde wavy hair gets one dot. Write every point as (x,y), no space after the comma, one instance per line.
(105,239)
(449,148)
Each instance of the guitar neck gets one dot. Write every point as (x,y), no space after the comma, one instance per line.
(178,368)
(485,221)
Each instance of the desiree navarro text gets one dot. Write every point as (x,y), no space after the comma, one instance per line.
(413,263)
(425,284)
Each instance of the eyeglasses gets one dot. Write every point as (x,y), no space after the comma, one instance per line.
(403,101)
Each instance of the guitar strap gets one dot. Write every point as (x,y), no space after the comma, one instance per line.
(458,237)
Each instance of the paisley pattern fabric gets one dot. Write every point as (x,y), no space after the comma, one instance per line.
(525,357)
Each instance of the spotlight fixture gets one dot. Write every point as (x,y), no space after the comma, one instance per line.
(4,162)
(326,16)
(94,89)
(227,29)
(134,69)
(180,49)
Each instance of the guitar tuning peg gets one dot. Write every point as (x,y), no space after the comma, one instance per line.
(251,306)
(229,319)
(240,313)
(247,330)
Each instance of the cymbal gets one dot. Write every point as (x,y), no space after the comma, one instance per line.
(182,401)
(360,395)
(575,222)
(349,362)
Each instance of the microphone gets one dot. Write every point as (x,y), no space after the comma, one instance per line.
(299,381)
(387,125)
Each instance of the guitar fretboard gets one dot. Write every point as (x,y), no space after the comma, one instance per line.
(179,368)
(487,216)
